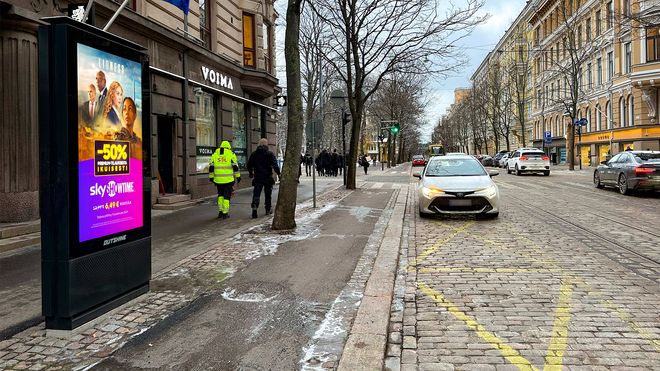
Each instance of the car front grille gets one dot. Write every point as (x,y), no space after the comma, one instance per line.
(476,204)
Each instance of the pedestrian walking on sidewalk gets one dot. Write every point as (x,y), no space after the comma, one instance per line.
(260,166)
(308,164)
(364,163)
(223,172)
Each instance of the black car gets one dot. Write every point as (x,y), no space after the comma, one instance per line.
(487,160)
(630,171)
(498,156)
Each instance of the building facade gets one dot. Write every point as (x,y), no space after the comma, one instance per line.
(605,57)
(212,79)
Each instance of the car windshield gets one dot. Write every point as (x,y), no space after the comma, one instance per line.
(648,156)
(455,167)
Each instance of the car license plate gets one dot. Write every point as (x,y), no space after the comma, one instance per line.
(460,202)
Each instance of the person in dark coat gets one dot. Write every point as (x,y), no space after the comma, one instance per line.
(364,163)
(260,165)
(317,162)
(341,165)
(334,162)
(325,162)
(308,164)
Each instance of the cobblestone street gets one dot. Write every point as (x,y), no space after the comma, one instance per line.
(565,279)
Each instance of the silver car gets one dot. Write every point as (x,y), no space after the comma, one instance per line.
(457,185)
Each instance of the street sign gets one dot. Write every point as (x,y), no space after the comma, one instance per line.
(547,136)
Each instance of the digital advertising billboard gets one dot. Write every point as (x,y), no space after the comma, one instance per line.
(94,171)
(109,91)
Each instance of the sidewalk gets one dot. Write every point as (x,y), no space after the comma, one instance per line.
(207,272)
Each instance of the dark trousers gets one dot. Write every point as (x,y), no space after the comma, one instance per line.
(256,195)
(365,169)
(225,190)
(308,170)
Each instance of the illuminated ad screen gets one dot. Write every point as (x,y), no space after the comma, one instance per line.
(109,144)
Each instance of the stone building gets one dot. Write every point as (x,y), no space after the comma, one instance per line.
(212,79)
(614,47)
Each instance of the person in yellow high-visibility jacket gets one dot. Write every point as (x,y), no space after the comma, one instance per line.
(223,172)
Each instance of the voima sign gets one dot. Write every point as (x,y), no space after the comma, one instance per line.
(217,78)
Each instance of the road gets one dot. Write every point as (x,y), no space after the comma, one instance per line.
(567,276)
(176,235)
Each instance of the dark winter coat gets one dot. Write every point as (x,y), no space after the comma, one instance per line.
(261,165)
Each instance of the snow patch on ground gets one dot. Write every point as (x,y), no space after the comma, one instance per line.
(231,295)
(360,213)
(267,242)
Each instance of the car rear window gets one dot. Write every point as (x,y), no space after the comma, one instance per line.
(533,154)
(418,157)
(648,156)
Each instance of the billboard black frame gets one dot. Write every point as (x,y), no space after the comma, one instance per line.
(82,280)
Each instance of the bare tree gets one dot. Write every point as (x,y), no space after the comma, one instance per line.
(375,38)
(285,210)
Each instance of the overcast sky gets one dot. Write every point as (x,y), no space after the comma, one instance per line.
(476,46)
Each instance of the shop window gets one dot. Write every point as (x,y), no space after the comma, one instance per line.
(249,55)
(205,129)
(239,142)
(653,44)
(205,22)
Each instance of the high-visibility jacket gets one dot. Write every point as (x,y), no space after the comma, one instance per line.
(224,167)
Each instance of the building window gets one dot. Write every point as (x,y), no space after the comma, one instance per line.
(610,15)
(588,127)
(623,112)
(578,36)
(205,23)
(610,66)
(631,109)
(598,22)
(628,58)
(268,50)
(590,80)
(608,108)
(249,54)
(206,140)
(587,30)
(627,11)
(599,70)
(239,130)
(599,118)
(653,44)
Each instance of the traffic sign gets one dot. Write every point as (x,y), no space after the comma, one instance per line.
(547,136)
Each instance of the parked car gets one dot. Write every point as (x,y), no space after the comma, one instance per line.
(457,185)
(528,160)
(498,156)
(418,160)
(487,160)
(502,162)
(630,171)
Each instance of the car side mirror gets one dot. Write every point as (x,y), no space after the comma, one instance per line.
(493,173)
(417,174)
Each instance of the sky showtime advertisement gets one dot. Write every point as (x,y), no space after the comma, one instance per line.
(109,144)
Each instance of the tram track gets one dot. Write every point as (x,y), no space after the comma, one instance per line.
(535,209)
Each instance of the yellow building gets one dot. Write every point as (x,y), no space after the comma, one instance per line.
(614,45)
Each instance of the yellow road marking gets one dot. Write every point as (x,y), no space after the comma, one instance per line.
(486,270)
(426,253)
(510,354)
(555,355)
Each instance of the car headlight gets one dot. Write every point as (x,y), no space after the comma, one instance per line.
(489,192)
(429,192)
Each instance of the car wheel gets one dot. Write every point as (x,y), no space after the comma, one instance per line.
(518,173)
(546,173)
(623,185)
(597,182)
(508,169)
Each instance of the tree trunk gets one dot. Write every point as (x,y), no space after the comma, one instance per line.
(353,153)
(285,210)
